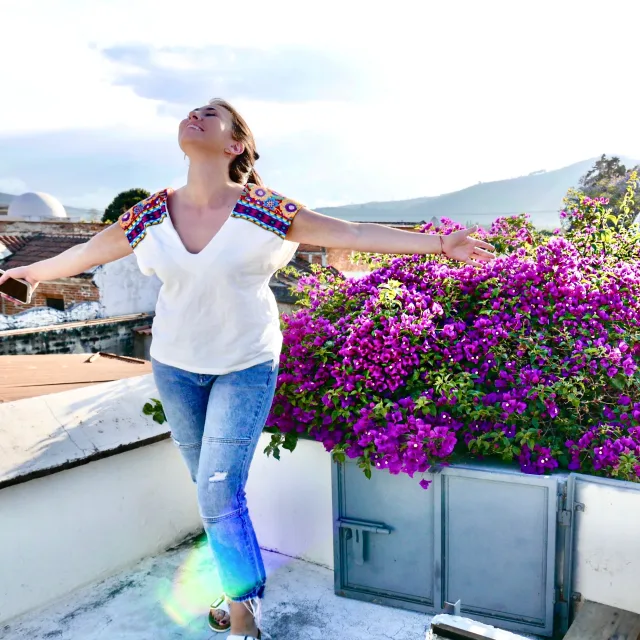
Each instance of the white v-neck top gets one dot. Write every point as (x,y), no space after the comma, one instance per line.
(215,312)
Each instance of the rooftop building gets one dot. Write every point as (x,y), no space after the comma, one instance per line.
(36,207)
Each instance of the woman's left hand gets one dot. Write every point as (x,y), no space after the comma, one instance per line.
(459,245)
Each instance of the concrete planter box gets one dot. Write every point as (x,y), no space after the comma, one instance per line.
(515,550)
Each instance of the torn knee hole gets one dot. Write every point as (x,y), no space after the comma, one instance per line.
(185,445)
(218,476)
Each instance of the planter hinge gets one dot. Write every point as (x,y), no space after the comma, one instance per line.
(358,529)
(562,612)
(564,517)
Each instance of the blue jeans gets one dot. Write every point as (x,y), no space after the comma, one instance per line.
(216,422)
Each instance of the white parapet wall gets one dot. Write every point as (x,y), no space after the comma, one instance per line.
(290,502)
(89,486)
(71,528)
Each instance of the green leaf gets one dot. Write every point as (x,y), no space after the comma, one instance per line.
(290,441)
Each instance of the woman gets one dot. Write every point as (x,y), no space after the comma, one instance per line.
(214,244)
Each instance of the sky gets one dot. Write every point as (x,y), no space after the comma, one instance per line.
(349,101)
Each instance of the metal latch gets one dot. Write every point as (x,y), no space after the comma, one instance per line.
(453,608)
(358,529)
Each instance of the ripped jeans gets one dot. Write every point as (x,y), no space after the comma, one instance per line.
(216,422)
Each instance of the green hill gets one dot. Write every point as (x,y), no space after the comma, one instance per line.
(539,194)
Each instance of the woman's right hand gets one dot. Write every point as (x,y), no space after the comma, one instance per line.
(107,246)
(21,273)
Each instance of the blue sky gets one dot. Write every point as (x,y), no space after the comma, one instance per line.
(349,103)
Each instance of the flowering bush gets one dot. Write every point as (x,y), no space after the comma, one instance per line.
(594,229)
(532,358)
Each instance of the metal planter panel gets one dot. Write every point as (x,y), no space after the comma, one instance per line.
(484,538)
(385,539)
(499,547)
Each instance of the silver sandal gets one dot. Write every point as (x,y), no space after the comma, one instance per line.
(221,604)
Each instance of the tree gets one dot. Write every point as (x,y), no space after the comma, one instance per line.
(123,202)
(608,178)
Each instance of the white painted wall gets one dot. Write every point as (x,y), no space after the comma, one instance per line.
(43,316)
(607,543)
(290,501)
(124,290)
(72,528)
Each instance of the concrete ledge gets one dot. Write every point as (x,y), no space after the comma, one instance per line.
(48,434)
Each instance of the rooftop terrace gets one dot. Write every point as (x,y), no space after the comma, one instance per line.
(101,537)
(167,598)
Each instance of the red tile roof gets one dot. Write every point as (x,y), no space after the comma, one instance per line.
(14,243)
(38,375)
(39,247)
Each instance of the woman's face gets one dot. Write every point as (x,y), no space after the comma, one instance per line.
(206,130)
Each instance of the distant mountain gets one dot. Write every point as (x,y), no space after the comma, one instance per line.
(539,194)
(73,212)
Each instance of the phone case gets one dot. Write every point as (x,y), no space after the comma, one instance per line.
(14,300)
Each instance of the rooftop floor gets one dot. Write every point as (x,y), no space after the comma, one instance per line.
(167,597)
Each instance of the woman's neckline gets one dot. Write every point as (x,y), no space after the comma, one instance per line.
(169,191)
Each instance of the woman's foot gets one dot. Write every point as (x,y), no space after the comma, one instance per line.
(243,619)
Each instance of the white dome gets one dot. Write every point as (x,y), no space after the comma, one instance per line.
(39,206)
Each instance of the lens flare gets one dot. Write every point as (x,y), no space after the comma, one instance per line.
(194,587)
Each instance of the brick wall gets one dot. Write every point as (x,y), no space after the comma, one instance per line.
(113,335)
(22,227)
(69,291)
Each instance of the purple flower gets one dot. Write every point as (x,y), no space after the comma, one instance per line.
(423,358)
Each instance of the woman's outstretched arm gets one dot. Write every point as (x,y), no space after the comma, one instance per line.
(107,246)
(310,227)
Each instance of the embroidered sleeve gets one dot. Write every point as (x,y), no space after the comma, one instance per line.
(266,208)
(145,214)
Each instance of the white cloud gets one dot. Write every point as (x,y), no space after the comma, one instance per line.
(465,92)
(13,185)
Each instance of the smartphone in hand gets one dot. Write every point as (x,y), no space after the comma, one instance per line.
(16,290)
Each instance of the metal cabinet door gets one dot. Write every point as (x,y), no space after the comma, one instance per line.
(385,538)
(606,548)
(499,547)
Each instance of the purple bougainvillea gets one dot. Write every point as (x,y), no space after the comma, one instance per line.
(532,358)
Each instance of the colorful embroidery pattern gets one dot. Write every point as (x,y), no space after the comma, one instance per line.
(267,209)
(145,214)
